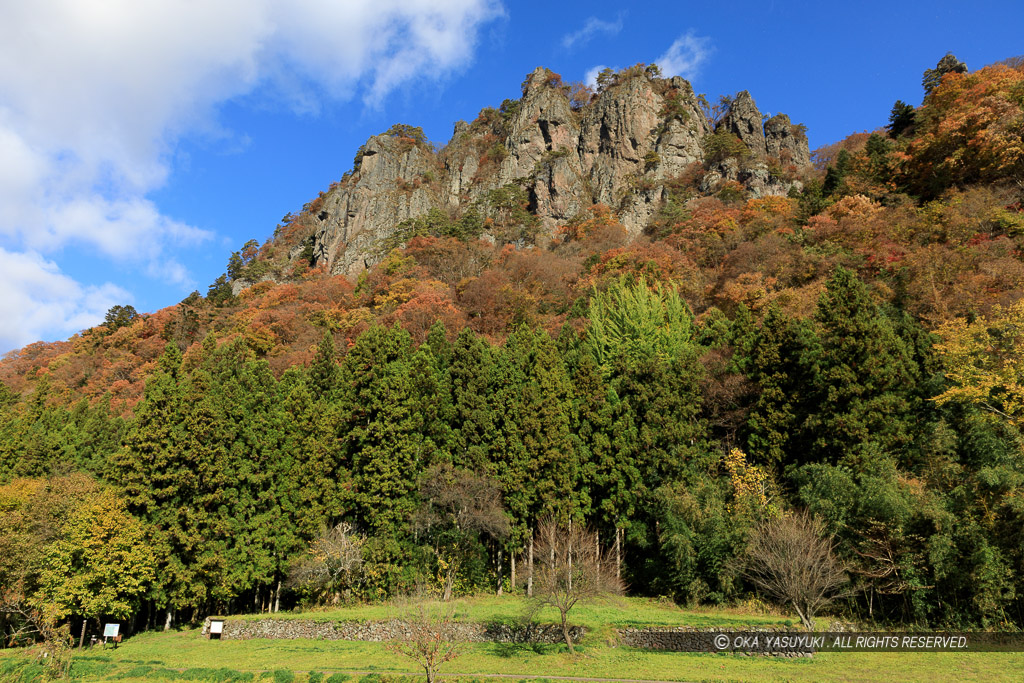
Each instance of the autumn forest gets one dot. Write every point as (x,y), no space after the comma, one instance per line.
(852,349)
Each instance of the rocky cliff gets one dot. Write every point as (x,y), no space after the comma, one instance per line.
(558,151)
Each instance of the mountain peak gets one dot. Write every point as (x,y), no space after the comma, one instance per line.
(537,162)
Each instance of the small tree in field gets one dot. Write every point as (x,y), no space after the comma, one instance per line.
(332,569)
(428,638)
(791,559)
(571,568)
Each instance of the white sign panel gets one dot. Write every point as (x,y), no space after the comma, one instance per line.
(216,626)
(110,630)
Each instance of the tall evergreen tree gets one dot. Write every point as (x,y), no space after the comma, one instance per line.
(432,402)
(781,364)
(473,423)
(242,396)
(509,459)
(310,472)
(383,441)
(592,428)
(863,388)
(545,426)
(95,435)
(324,373)
(155,483)
(901,118)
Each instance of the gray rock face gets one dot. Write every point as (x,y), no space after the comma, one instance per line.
(774,139)
(619,151)
(745,122)
(542,152)
(785,141)
(383,193)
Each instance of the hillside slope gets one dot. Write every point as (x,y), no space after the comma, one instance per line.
(674,376)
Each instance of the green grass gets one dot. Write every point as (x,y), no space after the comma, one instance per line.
(624,612)
(185,655)
(187,650)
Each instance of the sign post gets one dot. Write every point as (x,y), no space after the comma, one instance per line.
(111,631)
(216,629)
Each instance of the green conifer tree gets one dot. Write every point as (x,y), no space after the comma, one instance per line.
(865,378)
(383,438)
(473,423)
(324,373)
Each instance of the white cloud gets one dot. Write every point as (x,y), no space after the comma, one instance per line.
(685,56)
(382,44)
(131,229)
(591,28)
(590,78)
(43,302)
(95,94)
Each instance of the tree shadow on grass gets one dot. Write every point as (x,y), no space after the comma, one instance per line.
(509,650)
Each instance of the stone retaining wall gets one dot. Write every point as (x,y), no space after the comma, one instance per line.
(380,631)
(677,639)
(690,639)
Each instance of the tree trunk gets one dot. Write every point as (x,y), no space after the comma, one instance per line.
(81,638)
(565,633)
(449,582)
(500,577)
(277,597)
(512,575)
(569,555)
(804,618)
(618,553)
(529,574)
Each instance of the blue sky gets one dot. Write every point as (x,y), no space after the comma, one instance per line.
(142,142)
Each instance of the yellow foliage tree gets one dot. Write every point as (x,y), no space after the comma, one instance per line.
(984,362)
(751,484)
(101,564)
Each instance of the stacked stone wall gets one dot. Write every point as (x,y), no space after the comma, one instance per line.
(689,639)
(678,639)
(381,631)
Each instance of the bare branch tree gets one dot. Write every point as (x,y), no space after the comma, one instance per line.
(791,559)
(429,638)
(457,506)
(571,568)
(332,565)
(54,650)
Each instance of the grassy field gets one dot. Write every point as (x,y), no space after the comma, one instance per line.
(623,612)
(185,655)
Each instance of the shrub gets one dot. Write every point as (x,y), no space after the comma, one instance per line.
(723,145)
